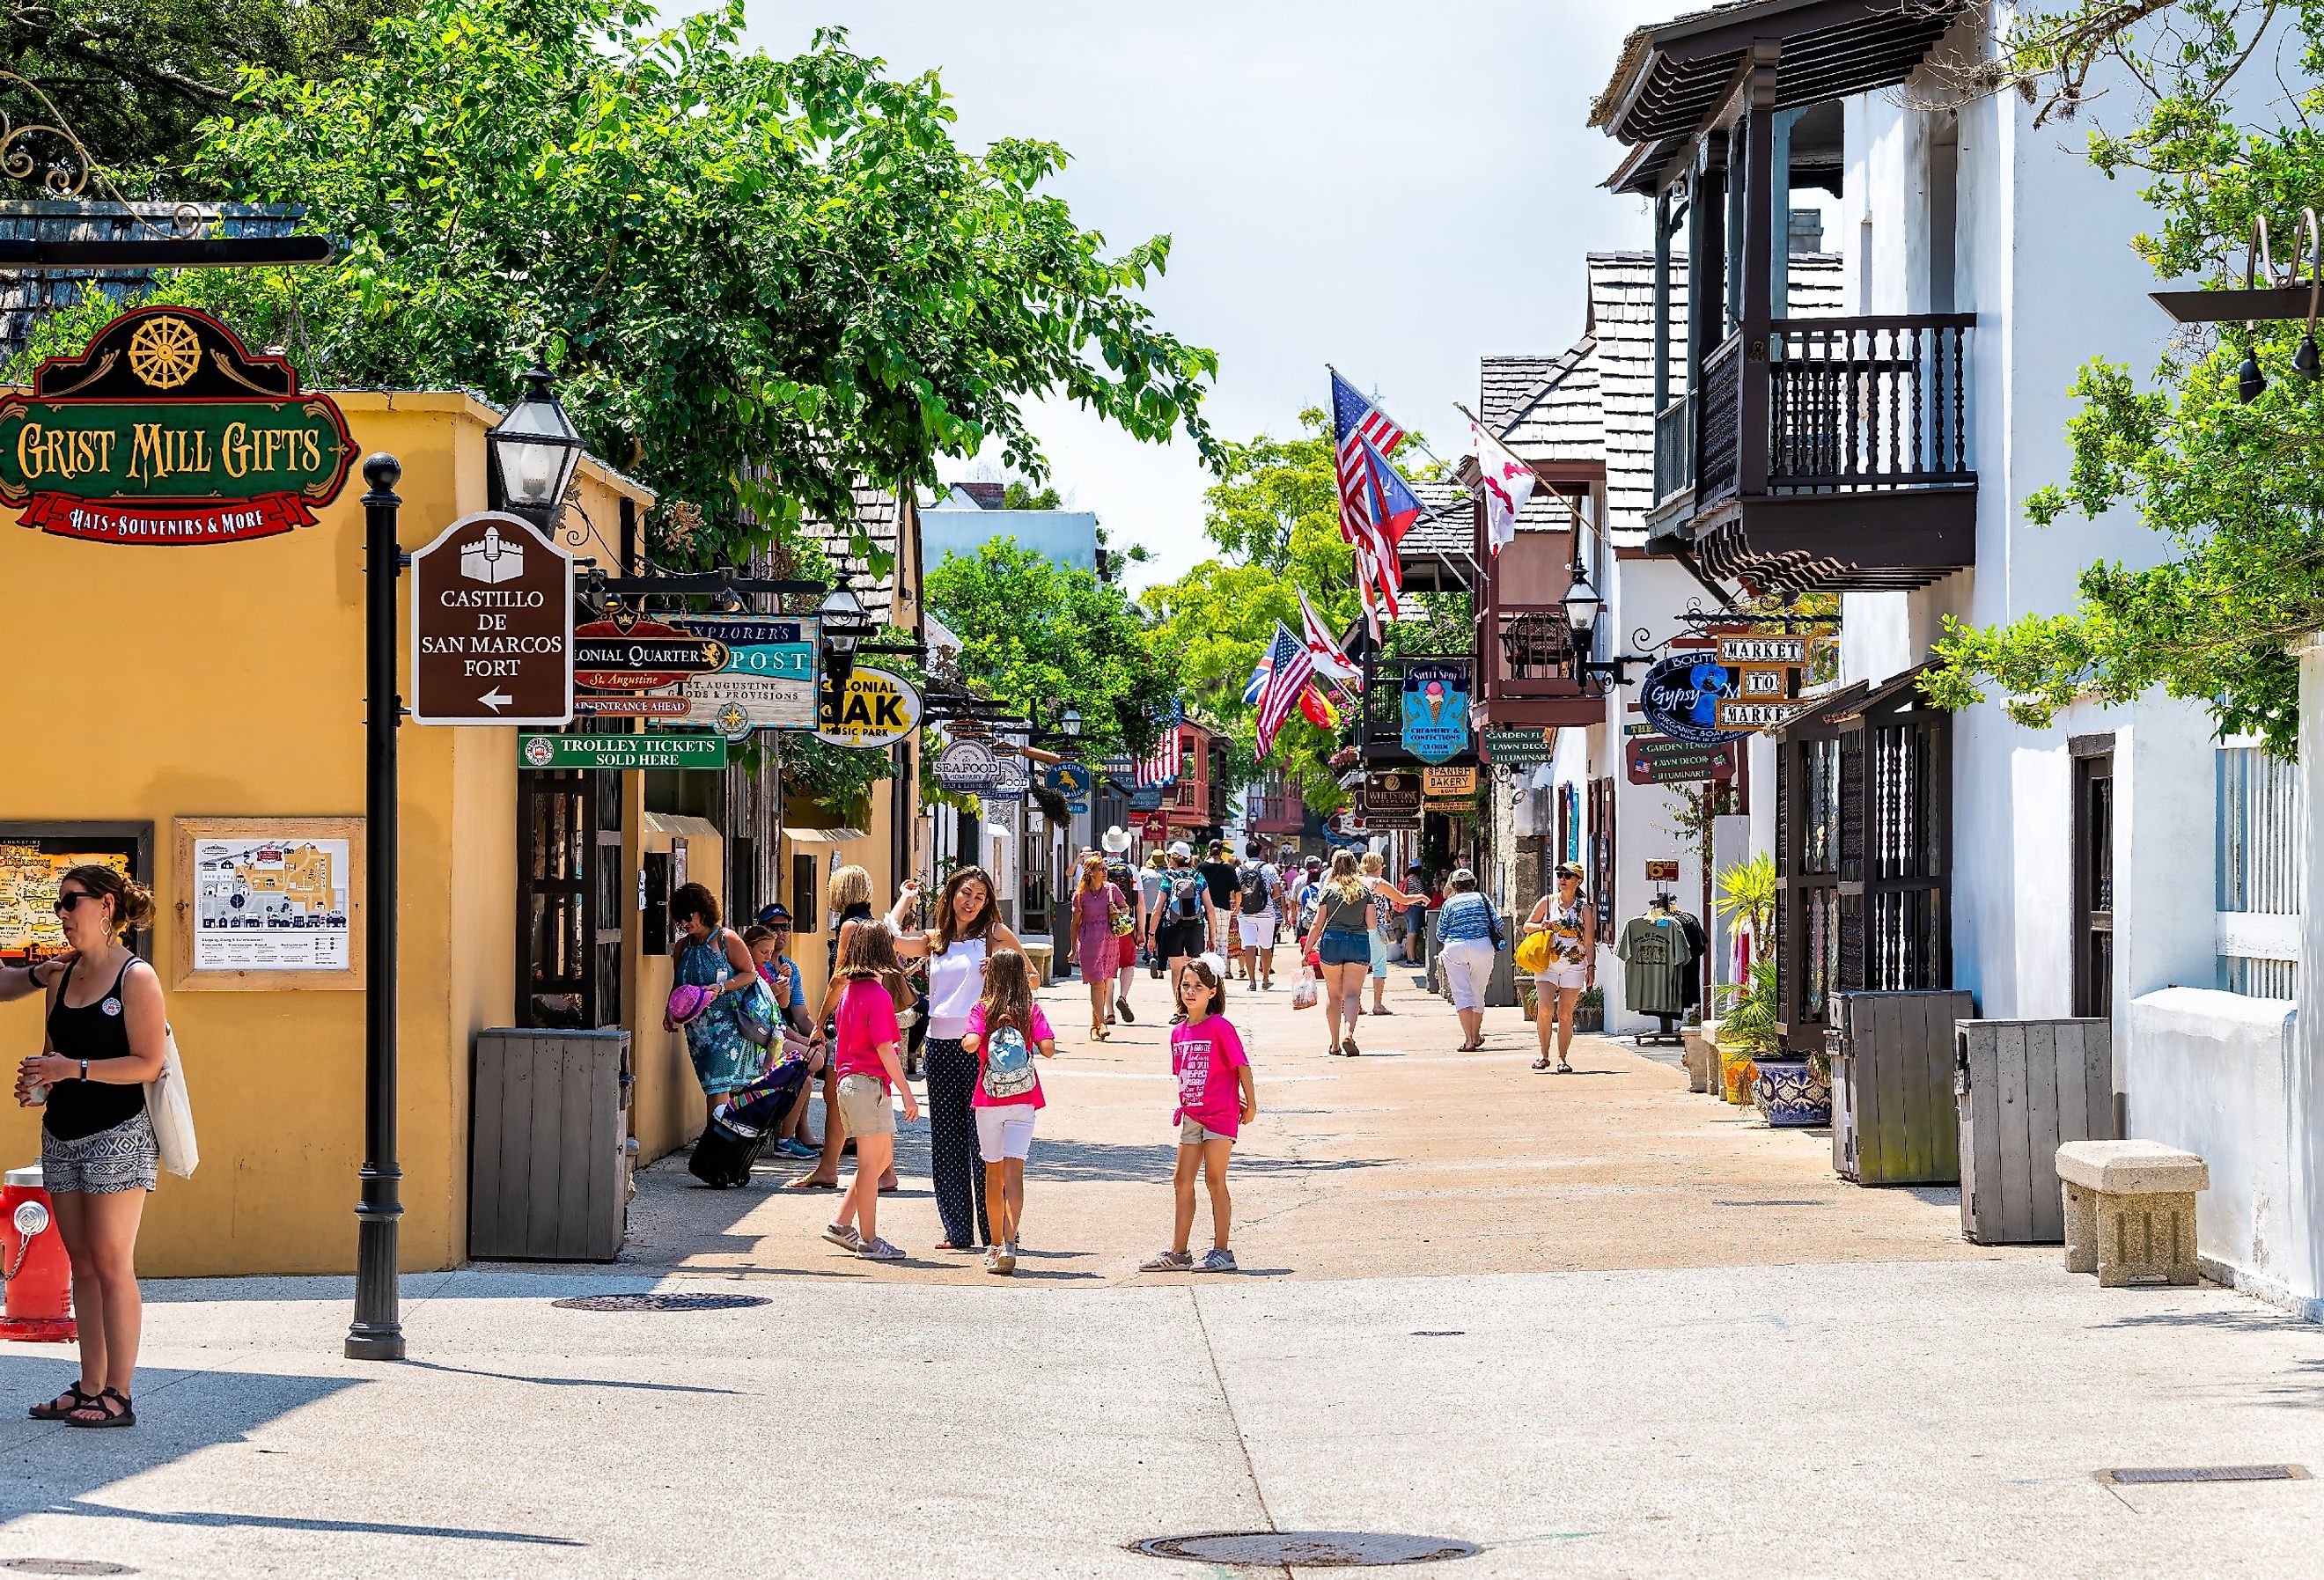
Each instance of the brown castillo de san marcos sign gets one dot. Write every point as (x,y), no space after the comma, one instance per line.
(166,431)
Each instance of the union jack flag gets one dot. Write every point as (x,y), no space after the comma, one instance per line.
(1288,668)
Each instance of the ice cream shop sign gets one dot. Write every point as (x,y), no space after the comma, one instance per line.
(166,431)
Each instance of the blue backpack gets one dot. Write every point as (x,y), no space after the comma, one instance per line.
(1008,1063)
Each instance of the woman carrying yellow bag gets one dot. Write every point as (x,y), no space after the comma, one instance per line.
(1561,952)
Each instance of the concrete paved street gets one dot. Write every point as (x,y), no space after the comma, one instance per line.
(1593,1324)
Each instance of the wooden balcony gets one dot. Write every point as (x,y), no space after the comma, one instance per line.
(1275,810)
(1832,455)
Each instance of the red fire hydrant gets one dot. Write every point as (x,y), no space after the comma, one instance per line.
(32,1257)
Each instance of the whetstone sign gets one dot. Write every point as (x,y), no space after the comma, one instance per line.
(166,431)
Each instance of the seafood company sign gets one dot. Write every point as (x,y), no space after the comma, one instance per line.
(166,431)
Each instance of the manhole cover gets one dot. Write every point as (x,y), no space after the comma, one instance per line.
(64,1567)
(2204,1473)
(1438,1331)
(1779,1203)
(659,1302)
(1308,1550)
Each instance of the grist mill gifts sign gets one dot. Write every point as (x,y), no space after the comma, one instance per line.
(165,431)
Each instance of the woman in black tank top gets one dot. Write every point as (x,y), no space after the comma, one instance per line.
(106,1036)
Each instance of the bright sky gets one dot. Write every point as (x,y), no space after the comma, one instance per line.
(1395,191)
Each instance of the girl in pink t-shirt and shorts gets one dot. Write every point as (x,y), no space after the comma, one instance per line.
(1004,1031)
(1216,1099)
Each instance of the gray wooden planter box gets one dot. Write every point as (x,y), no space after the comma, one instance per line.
(1893,1119)
(2024,1088)
(548,1169)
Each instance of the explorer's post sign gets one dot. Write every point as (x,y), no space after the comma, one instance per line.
(165,431)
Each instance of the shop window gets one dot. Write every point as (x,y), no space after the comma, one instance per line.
(806,903)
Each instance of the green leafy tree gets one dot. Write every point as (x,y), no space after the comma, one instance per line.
(2237,488)
(1022,495)
(1037,636)
(133,78)
(760,281)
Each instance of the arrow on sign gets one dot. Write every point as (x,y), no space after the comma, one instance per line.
(495,699)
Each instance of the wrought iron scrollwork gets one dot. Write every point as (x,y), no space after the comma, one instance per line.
(69,175)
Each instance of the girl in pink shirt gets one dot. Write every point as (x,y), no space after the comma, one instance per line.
(1216,1099)
(1005,1028)
(864,1053)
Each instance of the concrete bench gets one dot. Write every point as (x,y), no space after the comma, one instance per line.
(2130,1211)
(1039,956)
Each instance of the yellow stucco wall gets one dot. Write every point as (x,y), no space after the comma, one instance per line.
(231,679)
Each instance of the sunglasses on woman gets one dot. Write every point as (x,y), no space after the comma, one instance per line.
(66,900)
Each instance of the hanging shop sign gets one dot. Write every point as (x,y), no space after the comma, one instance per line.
(1435,710)
(1517,748)
(1659,760)
(770,678)
(1146,799)
(1011,778)
(491,625)
(633,705)
(627,655)
(874,708)
(1789,650)
(620,752)
(1763,682)
(166,431)
(1394,793)
(1679,697)
(1155,829)
(1758,716)
(1072,780)
(965,768)
(1442,784)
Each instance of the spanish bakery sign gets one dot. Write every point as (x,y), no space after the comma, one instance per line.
(165,431)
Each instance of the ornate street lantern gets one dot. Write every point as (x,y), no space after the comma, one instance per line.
(532,453)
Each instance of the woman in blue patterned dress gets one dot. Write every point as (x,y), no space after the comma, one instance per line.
(712,955)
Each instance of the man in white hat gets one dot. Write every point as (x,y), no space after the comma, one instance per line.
(1122,876)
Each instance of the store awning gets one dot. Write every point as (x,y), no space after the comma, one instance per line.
(823,836)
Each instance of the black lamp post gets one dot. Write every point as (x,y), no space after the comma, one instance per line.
(533,452)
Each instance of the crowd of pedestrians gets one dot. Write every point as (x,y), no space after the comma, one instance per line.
(948,997)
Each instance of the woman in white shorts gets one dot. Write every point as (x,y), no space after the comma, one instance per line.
(1572,924)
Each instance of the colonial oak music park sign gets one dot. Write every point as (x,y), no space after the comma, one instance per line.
(166,431)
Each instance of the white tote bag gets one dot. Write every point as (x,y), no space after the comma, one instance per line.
(172,1113)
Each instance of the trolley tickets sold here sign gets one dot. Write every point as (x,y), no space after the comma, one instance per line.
(166,431)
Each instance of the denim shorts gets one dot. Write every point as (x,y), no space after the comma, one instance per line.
(1344,947)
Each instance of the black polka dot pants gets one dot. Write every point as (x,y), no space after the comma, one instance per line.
(953,1157)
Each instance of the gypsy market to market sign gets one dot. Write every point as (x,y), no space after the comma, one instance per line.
(165,431)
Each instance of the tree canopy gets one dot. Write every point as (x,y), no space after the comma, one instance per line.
(133,78)
(2237,488)
(1044,635)
(758,280)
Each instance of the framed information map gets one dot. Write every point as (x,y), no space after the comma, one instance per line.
(264,903)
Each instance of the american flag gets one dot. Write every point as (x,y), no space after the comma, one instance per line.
(1169,758)
(1355,423)
(1288,668)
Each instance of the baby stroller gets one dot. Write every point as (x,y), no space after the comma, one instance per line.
(738,1127)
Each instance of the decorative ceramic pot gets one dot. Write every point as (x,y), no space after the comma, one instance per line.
(1735,1073)
(1789,1092)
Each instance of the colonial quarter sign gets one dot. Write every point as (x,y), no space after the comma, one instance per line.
(491,625)
(166,431)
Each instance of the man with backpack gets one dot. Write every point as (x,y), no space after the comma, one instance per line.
(1219,873)
(1189,922)
(1259,889)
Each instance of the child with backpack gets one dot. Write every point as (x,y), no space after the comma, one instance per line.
(1005,1029)
(1216,1098)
